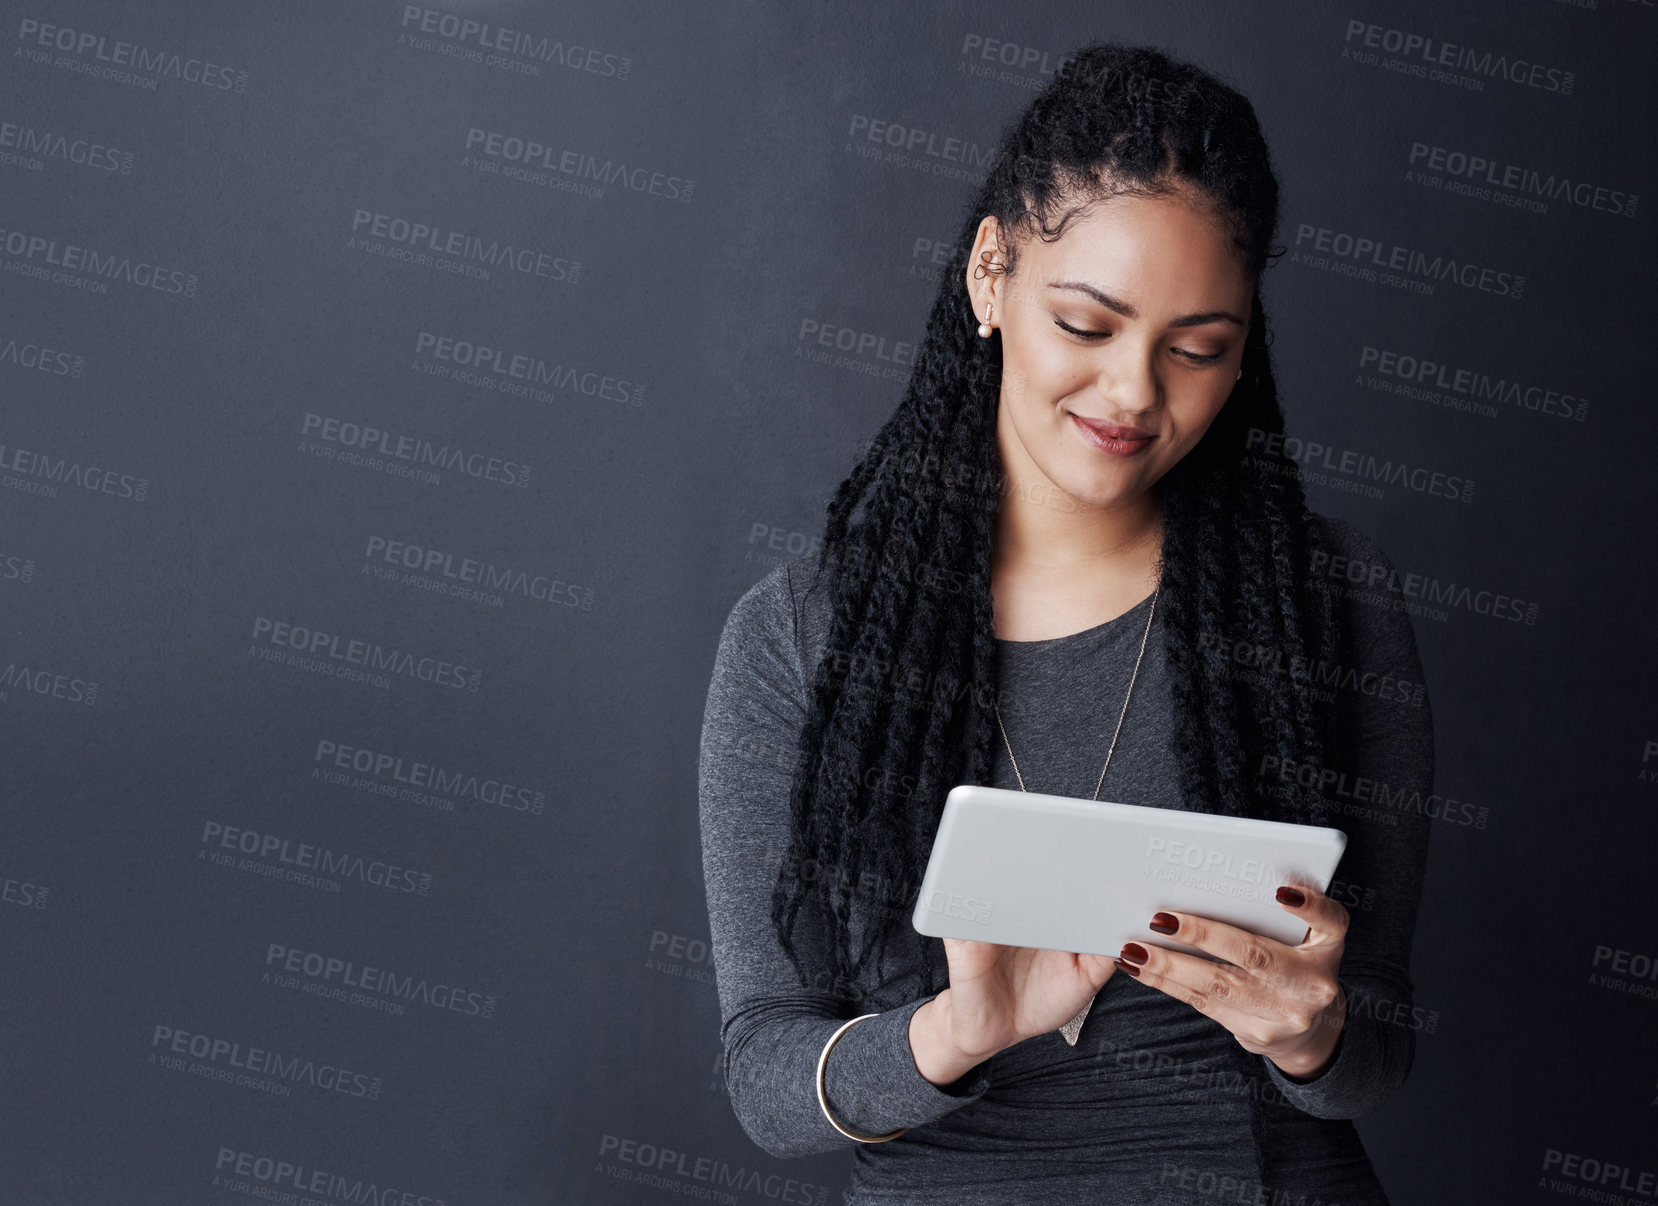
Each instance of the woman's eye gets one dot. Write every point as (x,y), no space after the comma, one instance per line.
(1061,323)
(1194,357)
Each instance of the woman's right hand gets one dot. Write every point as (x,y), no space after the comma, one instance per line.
(998,996)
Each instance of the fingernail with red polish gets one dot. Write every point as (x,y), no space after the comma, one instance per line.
(1294,897)
(1165,923)
(1133,952)
(1129,968)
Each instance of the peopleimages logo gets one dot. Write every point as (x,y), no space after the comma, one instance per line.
(1381,584)
(1373,259)
(1007,62)
(397,237)
(1422,376)
(284,858)
(1482,173)
(314,644)
(914,146)
(700,1177)
(223,1059)
(42,680)
(1336,784)
(38,38)
(335,759)
(416,451)
(1438,59)
(37,254)
(22,893)
(41,473)
(1594,1180)
(1360,468)
(1253,659)
(534,157)
(28,354)
(280,1180)
(326,974)
(27,147)
(518,373)
(446,571)
(469,33)
(967,908)
(16,569)
(1212,862)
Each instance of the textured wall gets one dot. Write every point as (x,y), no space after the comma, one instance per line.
(394,399)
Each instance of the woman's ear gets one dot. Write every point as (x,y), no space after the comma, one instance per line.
(985,265)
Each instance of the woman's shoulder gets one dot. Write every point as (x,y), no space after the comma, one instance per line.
(1358,552)
(1353,564)
(766,607)
(792,600)
(782,619)
(761,630)
(1369,592)
(757,677)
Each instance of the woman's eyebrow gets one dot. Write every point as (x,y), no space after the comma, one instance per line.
(1127,311)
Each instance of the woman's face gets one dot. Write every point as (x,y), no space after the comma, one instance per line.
(1120,343)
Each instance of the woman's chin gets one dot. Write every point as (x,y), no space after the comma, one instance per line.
(1103,490)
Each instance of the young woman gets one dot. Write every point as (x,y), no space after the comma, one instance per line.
(1075,560)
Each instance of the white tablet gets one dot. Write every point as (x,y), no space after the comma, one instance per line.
(1058,873)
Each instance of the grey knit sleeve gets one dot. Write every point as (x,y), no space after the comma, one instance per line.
(1384,801)
(772,1029)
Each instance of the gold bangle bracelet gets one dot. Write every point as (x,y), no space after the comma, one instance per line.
(822,1100)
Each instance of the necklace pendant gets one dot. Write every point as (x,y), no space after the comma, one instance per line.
(1073,1028)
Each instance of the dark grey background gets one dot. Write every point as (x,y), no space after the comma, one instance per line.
(582,1061)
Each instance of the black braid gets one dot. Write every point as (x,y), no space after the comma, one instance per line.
(901,707)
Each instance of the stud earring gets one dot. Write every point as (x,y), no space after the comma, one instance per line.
(984,327)
(1240,374)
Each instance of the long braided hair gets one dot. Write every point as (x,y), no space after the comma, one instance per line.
(901,705)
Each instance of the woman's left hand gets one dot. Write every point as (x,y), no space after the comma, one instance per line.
(1283,1002)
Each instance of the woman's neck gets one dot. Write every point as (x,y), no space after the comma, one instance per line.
(1060,566)
(1050,530)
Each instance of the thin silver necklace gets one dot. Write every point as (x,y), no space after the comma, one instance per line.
(1072,1029)
(1131,678)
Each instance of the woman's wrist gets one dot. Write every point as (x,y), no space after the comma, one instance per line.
(1314,1061)
(939,1061)
(1304,1068)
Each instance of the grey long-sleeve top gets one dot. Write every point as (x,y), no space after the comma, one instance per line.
(1149,1106)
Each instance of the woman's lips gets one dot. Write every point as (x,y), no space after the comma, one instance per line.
(1113,437)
